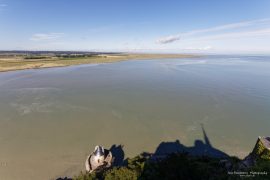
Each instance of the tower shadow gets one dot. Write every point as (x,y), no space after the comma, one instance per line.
(200,148)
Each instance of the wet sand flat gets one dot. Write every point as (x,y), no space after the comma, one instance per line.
(51,119)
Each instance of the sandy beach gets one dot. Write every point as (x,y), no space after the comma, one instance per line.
(20,62)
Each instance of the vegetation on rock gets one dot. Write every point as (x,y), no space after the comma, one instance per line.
(176,166)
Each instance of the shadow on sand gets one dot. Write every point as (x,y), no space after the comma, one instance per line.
(200,148)
(118,154)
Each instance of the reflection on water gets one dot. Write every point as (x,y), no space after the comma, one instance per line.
(52,118)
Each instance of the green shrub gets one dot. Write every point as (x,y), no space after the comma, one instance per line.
(86,176)
(137,163)
(262,166)
(121,173)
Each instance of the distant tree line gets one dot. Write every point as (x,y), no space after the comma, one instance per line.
(75,55)
(36,57)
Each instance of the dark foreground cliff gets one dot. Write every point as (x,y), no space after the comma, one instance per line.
(182,166)
(172,160)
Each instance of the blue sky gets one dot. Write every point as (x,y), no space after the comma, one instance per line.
(209,26)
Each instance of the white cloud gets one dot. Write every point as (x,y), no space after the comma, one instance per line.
(205,48)
(168,39)
(220,30)
(44,37)
(229,26)
(235,35)
(3,7)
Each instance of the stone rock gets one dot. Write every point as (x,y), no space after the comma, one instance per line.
(262,148)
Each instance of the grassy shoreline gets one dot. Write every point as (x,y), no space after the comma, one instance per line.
(13,63)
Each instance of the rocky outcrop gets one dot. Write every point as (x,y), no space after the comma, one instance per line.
(262,148)
(261,151)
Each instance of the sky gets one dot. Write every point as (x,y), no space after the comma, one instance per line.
(162,26)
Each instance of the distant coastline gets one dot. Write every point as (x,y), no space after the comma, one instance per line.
(12,61)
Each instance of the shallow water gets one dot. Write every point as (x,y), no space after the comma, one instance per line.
(50,119)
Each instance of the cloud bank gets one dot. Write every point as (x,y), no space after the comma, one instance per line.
(45,37)
(259,27)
